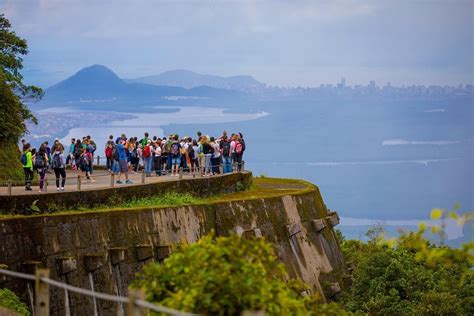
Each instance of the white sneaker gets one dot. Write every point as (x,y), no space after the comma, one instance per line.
(62,189)
(57,189)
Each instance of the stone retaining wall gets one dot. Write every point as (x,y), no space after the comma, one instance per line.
(50,202)
(107,248)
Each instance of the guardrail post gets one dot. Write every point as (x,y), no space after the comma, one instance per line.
(235,167)
(221,169)
(79,182)
(41,293)
(133,309)
(9,187)
(112,179)
(98,160)
(243,165)
(143,176)
(180,173)
(46,184)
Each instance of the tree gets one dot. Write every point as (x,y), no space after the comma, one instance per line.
(13,92)
(412,276)
(225,276)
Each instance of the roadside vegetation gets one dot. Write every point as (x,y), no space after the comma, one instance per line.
(404,276)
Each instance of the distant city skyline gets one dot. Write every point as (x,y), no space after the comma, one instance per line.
(280,43)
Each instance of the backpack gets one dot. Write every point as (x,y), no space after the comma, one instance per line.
(23,159)
(174,149)
(238,147)
(191,152)
(243,144)
(115,153)
(146,151)
(108,152)
(93,146)
(226,148)
(39,161)
(77,151)
(56,161)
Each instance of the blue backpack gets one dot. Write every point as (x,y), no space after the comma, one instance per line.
(23,159)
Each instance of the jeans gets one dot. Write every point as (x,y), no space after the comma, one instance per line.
(169,162)
(60,172)
(215,165)
(115,167)
(110,163)
(28,176)
(227,161)
(148,162)
(207,163)
(157,165)
(42,174)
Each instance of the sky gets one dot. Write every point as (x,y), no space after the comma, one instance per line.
(283,43)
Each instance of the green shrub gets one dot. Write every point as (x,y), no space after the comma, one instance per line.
(10,301)
(225,276)
(410,277)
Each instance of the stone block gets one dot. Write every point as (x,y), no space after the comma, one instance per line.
(293,229)
(162,252)
(318,224)
(252,233)
(93,262)
(144,252)
(333,219)
(333,289)
(117,255)
(30,266)
(66,265)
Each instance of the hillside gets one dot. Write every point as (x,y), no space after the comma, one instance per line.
(188,79)
(99,84)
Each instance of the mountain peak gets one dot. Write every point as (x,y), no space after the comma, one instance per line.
(100,72)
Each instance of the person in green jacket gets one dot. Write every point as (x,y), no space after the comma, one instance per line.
(28,166)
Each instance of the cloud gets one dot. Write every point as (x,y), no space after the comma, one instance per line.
(280,42)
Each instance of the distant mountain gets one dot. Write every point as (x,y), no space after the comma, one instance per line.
(188,79)
(97,83)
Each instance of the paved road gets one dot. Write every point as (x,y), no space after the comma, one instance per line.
(101,177)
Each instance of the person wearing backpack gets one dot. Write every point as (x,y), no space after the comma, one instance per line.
(123,162)
(77,154)
(238,152)
(109,153)
(27,162)
(85,163)
(193,152)
(41,165)
(207,150)
(59,167)
(226,155)
(156,149)
(175,151)
(147,158)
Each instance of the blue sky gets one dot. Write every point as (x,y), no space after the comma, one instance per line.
(285,43)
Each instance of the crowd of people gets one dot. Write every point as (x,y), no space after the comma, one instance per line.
(204,155)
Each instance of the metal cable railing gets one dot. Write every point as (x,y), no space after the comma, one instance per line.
(81,179)
(41,298)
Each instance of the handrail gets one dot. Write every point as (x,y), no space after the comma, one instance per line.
(99,295)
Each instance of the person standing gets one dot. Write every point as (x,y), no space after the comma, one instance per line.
(147,158)
(175,156)
(41,165)
(109,151)
(157,157)
(70,156)
(123,163)
(59,166)
(27,166)
(226,154)
(193,152)
(216,156)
